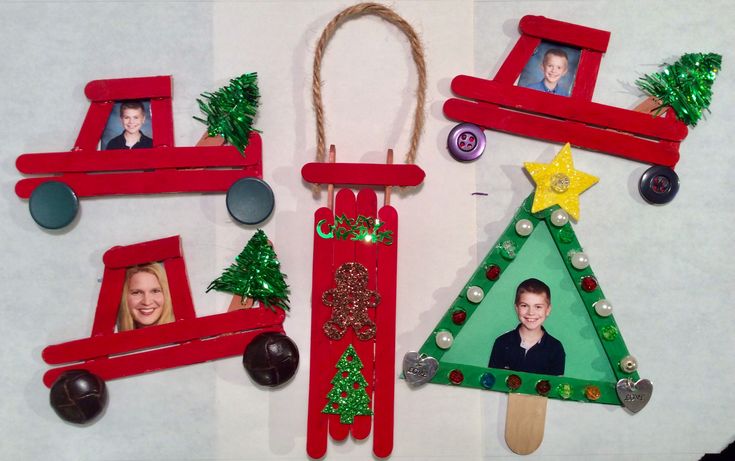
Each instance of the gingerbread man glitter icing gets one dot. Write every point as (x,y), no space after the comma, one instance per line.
(350,301)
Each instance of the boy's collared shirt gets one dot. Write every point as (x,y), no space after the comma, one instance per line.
(546,357)
(118,142)
(541,86)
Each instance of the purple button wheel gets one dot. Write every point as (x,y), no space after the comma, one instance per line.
(466,142)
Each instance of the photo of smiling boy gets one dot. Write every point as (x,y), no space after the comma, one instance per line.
(554,66)
(132,118)
(529,347)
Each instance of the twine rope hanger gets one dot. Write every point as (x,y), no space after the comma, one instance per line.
(417,52)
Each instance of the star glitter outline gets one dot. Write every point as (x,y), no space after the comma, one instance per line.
(546,196)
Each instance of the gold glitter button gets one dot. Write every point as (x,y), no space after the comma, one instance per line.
(559,182)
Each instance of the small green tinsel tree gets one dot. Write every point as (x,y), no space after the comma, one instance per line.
(231,109)
(255,274)
(686,85)
(348,397)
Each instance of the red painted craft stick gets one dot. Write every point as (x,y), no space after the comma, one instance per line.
(158,359)
(129,88)
(321,369)
(141,253)
(142,159)
(344,252)
(528,100)
(587,70)
(385,343)
(170,333)
(363,174)
(366,254)
(513,65)
(108,302)
(563,131)
(162,122)
(565,33)
(149,182)
(180,292)
(93,125)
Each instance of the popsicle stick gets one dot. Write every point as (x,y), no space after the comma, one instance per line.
(207,140)
(330,187)
(385,339)
(366,254)
(650,105)
(188,330)
(186,353)
(388,189)
(93,125)
(344,252)
(320,367)
(524,422)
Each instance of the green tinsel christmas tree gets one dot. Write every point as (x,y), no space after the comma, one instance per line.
(685,86)
(231,109)
(255,274)
(348,397)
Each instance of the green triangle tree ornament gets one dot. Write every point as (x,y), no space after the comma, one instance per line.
(256,273)
(538,242)
(348,397)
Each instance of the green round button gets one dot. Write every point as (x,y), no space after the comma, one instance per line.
(250,200)
(53,205)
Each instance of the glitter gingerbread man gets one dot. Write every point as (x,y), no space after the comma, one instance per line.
(350,301)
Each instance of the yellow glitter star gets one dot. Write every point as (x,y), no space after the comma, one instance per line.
(558,183)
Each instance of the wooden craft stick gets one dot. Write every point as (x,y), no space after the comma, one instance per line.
(330,187)
(185,353)
(344,252)
(109,343)
(389,161)
(320,369)
(524,422)
(238,303)
(385,339)
(207,140)
(93,126)
(591,137)
(366,254)
(651,105)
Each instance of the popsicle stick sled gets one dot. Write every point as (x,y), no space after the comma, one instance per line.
(111,354)
(499,104)
(355,235)
(210,166)
(353,298)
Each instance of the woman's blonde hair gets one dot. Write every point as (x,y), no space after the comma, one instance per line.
(125,320)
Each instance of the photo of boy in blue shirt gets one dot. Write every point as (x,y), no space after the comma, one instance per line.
(529,347)
(554,66)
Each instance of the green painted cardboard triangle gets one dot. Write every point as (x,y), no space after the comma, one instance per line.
(596,355)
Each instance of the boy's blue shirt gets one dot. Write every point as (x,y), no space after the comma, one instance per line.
(559,89)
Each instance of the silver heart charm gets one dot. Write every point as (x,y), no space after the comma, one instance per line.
(419,369)
(634,394)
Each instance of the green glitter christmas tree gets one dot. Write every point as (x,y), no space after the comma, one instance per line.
(348,397)
(255,274)
(231,109)
(685,86)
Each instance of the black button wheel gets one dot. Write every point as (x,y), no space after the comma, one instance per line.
(53,205)
(659,185)
(250,201)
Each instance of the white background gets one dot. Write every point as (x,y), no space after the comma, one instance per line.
(668,270)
